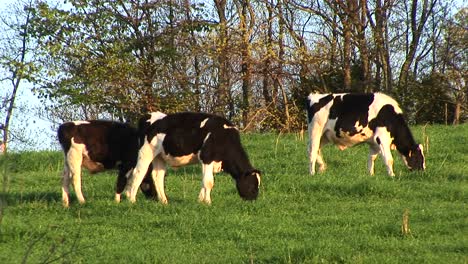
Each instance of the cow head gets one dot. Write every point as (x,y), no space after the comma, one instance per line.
(247,185)
(415,159)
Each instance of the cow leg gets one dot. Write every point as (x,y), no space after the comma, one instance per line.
(207,183)
(383,138)
(158,173)
(121,182)
(315,135)
(66,184)
(373,153)
(74,159)
(145,156)
(321,162)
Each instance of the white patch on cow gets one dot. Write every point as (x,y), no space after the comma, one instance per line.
(424,158)
(316,129)
(405,161)
(128,174)
(346,140)
(386,140)
(155,116)
(207,183)
(203,123)
(381,99)
(117,197)
(80,122)
(72,171)
(206,137)
(148,151)
(158,173)
(322,131)
(178,161)
(217,166)
(258,178)
(229,127)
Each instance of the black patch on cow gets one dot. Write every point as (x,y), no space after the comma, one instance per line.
(107,142)
(183,133)
(349,109)
(247,185)
(315,107)
(396,125)
(399,130)
(217,140)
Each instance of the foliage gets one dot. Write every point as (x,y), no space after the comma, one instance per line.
(17,65)
(343,215)
(117,59)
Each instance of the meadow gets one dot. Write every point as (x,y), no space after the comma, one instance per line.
(340,216)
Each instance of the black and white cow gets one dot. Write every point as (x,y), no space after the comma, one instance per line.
(99,145)
(347,119)
(186,138)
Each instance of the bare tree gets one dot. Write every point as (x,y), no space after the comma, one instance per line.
(380,34)
(15,60)
(418,17)
(246,23)
(223,92)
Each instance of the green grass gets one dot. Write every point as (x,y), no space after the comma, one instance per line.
(340,216)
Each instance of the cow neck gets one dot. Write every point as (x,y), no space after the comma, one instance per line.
(403,139)
(238,164)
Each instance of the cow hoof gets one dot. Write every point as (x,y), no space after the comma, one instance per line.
(117,198)
(207,202)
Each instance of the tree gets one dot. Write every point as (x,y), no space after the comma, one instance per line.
(123,57)
(16,61)
(223,76)
(246,24)
(454,58)
(248,60)
(417,18)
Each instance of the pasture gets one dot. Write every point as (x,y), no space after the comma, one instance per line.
(340,216)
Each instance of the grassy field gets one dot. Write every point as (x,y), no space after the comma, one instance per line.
(340,216)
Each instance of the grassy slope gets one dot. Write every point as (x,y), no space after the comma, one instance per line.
(342,215)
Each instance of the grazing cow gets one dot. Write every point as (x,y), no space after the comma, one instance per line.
(99,145)
(186,138)
(348,119)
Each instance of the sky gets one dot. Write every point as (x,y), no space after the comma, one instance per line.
(26,121)
(29,123)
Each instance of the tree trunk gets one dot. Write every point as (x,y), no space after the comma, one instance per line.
(457,113)
(196,63)
(222,94)
(417,26)
(17,76)
(346,21)
(380,32)
(361,33)
(246,64)
(267,63)
(278,76)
